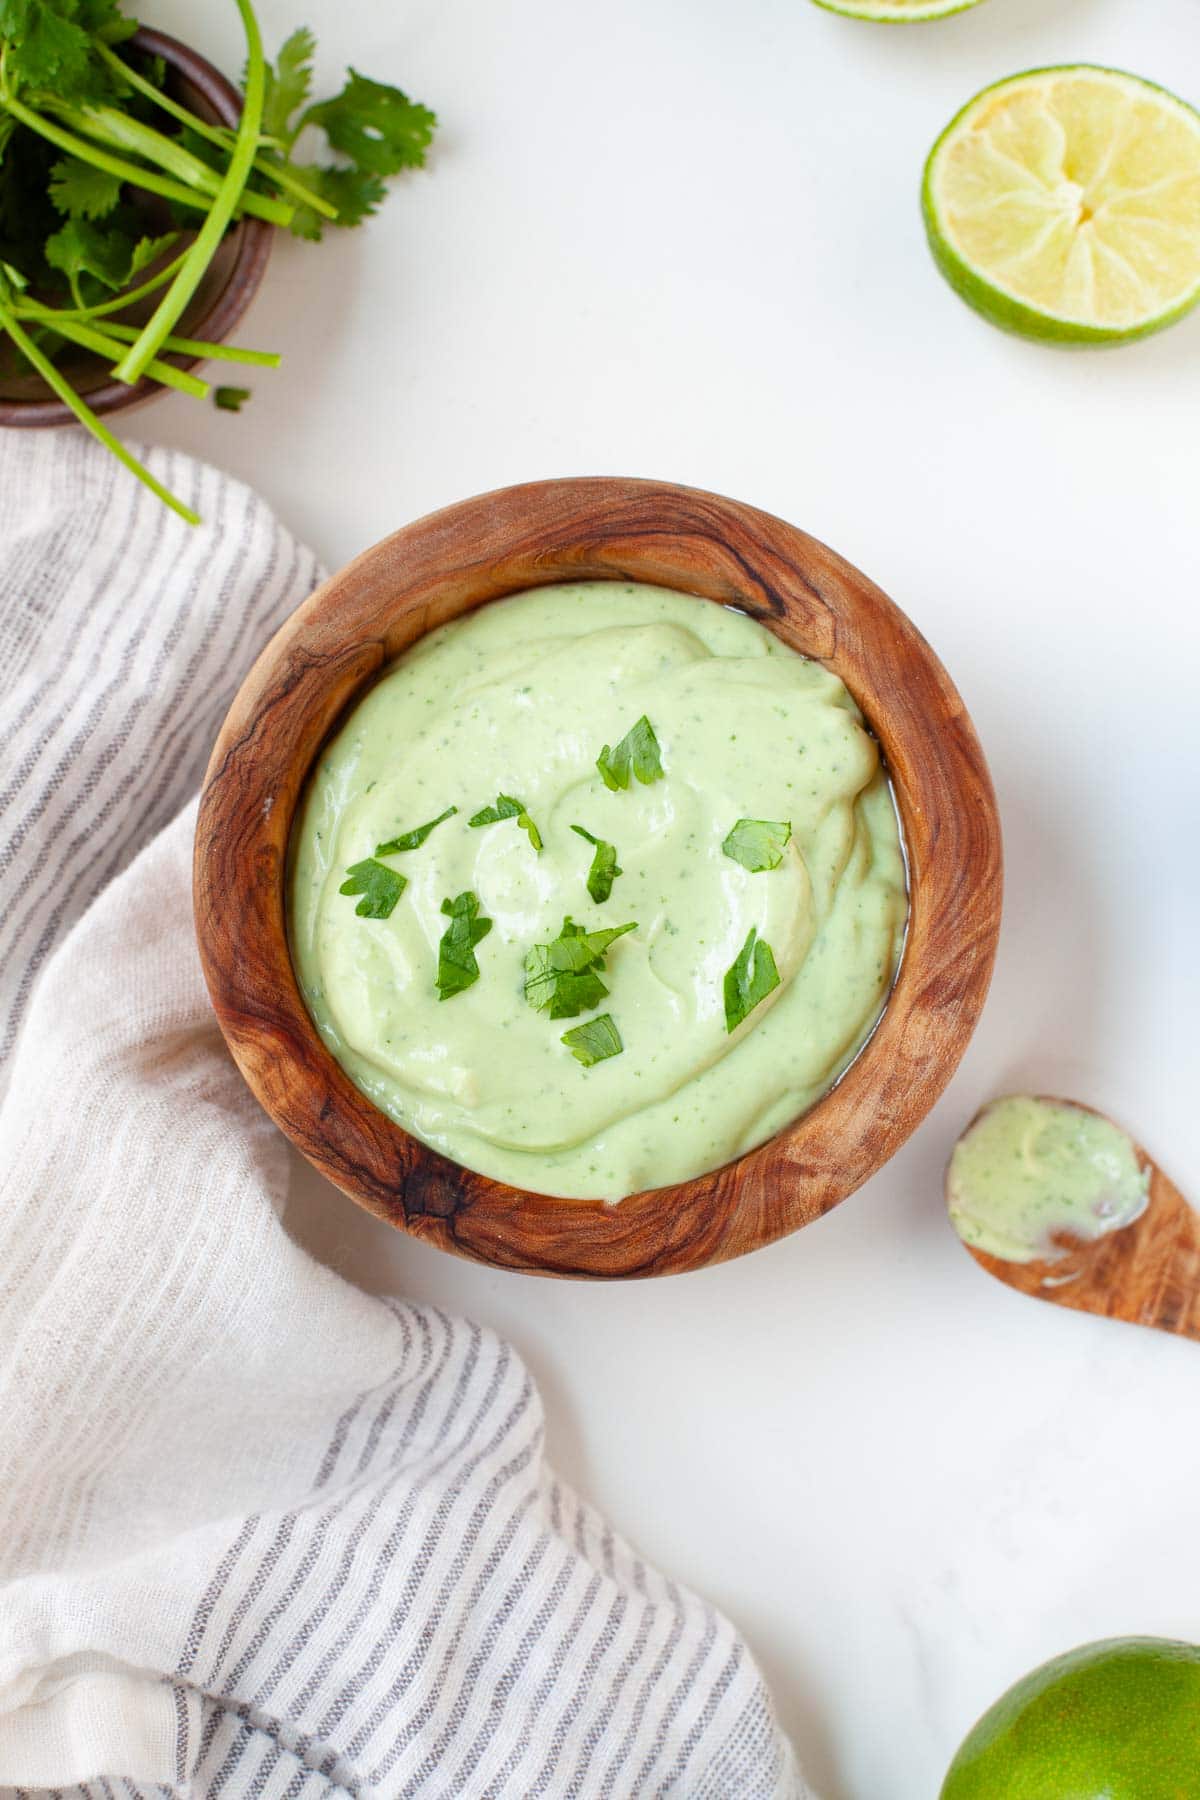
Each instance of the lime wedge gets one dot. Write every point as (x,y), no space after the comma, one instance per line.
(896,12)
(1064,204)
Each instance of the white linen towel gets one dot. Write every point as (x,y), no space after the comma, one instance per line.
(260,1534)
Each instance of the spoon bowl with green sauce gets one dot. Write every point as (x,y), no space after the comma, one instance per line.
(598,878)
(1054,1199)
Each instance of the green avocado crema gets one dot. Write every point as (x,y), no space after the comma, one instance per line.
(1029,1171)
(520,699)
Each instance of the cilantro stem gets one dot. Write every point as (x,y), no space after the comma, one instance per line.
(110,347)
(147,89)
(167,313)
(180,346)
(270,210)
(184,346)
(106,125)
(280,175)
(55,379)
(103,307)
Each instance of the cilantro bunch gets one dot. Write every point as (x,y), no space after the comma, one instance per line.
(90,140)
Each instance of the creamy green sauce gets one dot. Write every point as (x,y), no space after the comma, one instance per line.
(519,698)
(1028,1172)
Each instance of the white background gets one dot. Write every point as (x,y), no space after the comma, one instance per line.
(682,240)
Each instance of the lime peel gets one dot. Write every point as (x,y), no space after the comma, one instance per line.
(897,12)
(1119,1718)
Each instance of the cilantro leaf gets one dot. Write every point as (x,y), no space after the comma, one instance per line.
(147,250)
(379,886)
(457,967)
(758,844)
(509,807)
(44,47)
(104,19)
(374,127)
(749,979)
(412,840)
(230,399)
(82,191)
(80,248)
(380,129)
(604,869)
(354,192)
(595,1041)
(562,978)
(637,753)
(289,83)
(108,253)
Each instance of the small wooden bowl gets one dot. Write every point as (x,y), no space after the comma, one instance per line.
(229,284)
(335,645)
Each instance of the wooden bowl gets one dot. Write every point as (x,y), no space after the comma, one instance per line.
(335,645)
(226,290)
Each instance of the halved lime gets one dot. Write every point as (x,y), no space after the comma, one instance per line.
(896,12)
(1064,204)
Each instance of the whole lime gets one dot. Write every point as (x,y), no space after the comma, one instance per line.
(1117,1720)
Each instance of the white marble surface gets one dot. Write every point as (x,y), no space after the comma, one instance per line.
(682,240)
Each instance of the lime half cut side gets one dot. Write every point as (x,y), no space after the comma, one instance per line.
(1064,204)
(896,12)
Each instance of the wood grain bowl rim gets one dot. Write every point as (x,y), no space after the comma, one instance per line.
(252,239)
(600,528)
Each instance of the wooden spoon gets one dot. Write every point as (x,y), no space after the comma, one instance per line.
(1147,1273)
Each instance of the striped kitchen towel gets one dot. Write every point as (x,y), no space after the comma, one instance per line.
(260,1534)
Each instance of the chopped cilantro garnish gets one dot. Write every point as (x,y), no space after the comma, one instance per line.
(750,979)
(576,948)
(562,978)
(563,993)
(637,754)
(758,844)
(412,840)
(595,1041)
(379,886)
(604,869)
(508,807)
(457,967)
